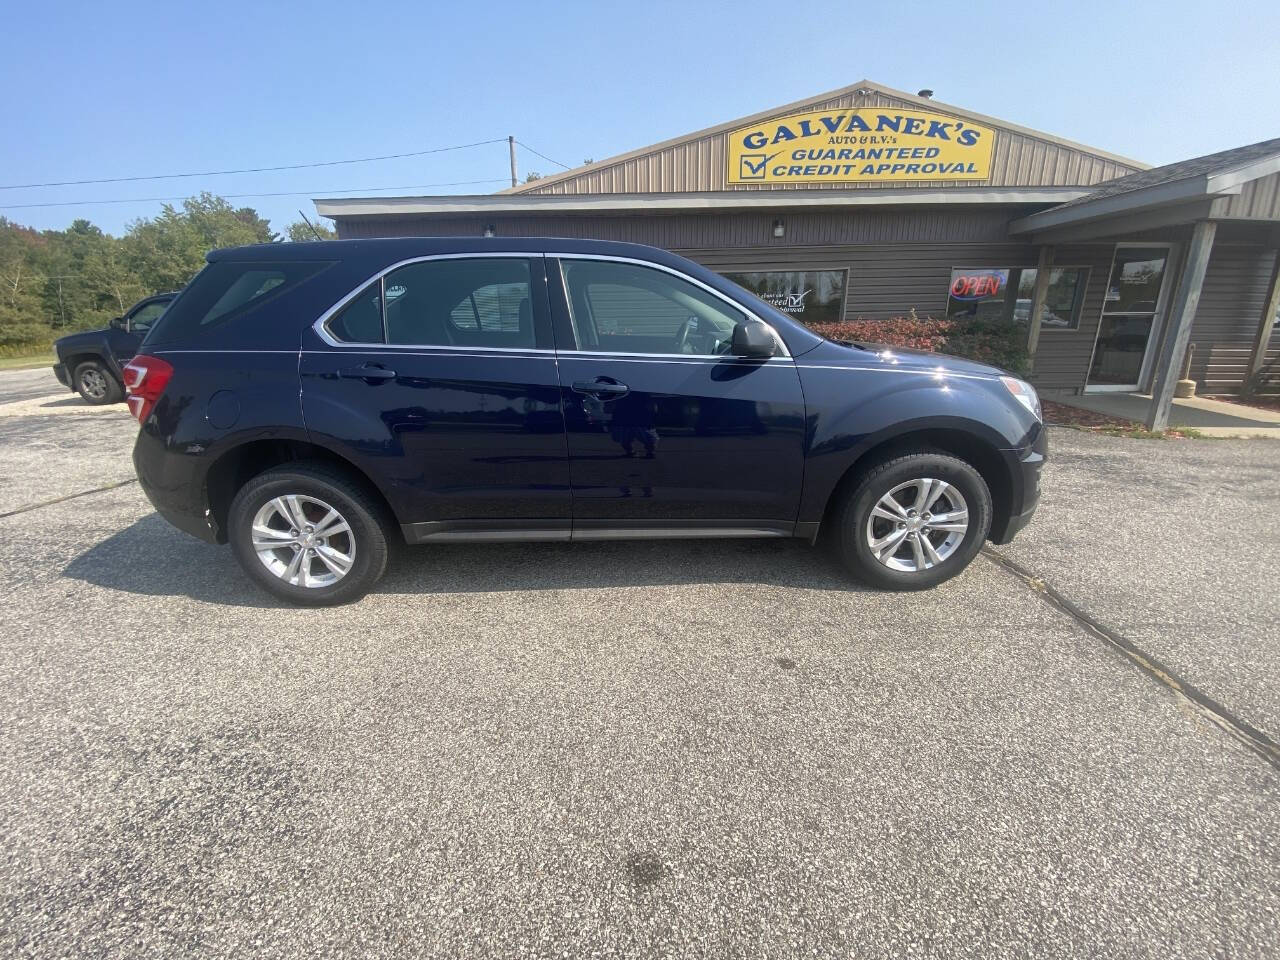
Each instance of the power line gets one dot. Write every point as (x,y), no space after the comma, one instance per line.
(543,155)
(243,196)
(219,173)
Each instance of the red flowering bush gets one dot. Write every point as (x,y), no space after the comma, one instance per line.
(1001,344)
(910,331)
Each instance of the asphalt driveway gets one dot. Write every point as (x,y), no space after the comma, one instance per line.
(712,749)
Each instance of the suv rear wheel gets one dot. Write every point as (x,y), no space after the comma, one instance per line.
(913,521)
(308,534)
(96,384)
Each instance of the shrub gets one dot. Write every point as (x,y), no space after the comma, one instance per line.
(994,341)
(909,331)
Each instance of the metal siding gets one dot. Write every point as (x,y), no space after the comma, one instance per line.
(697,165)
(1232,298)
(1062,356)
(1257,199)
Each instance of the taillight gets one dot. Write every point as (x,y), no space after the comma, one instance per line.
(144,380)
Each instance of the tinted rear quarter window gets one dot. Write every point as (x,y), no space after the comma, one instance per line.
(227,289)
(361,320)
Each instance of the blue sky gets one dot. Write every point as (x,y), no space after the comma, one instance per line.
(123,89)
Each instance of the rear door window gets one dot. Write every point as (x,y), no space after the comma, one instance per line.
(485,302)
(224,290)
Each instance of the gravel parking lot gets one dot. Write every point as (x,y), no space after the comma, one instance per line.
(710,749)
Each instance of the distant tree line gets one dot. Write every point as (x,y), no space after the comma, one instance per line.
(55,281)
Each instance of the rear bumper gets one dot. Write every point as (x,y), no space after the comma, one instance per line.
(63,374)
(1027,466)
(174,483)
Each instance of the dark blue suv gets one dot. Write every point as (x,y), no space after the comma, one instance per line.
(311,402)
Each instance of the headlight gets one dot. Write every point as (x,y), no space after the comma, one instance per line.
(1025,394)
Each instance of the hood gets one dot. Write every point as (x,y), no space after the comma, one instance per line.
(84,338)
(883,353)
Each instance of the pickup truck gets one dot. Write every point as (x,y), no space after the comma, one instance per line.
(90,363)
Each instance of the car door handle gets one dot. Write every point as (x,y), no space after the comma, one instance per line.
(369,372)
(601,386)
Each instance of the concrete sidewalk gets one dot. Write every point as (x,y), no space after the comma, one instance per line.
(1214,418)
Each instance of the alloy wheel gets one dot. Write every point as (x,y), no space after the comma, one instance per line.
(917,525)
(303,541)
(93,382)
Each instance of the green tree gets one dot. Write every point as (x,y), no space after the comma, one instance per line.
(300,231)
(53,281)
(22,279)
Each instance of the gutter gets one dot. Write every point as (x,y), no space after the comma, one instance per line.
(677,202)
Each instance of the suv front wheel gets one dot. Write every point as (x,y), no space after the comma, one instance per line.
(308,534)
(913,521)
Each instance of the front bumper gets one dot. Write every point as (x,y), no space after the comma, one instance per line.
(63,374)
(1027,467)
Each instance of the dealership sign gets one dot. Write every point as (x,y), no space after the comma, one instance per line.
(867,145)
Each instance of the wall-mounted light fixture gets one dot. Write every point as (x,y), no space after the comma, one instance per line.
(779,228)
(488,230)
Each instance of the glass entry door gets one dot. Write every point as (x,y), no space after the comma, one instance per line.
(1129,314)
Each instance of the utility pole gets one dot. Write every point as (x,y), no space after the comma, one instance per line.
(511,145)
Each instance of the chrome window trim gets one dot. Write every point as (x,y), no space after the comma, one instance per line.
(621,355)
(322,329)
(442,351)
(321,326)
(782,345)
(443,348)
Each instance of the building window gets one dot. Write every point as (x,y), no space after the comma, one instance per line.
(985,293)
(811,296)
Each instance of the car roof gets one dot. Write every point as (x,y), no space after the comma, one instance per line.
(397,248)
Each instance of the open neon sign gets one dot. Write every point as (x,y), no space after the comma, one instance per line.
(979,284)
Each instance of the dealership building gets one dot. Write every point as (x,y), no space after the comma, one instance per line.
(867,202)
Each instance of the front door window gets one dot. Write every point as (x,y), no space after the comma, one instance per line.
(627,308)
(144,317)
(1128,316)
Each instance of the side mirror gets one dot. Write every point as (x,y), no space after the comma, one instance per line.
(119,323)
(753,340)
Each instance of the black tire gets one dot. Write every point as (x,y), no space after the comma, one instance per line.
(96,384)
(853,513)
(357,506)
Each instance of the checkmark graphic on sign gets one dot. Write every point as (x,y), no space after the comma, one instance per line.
(753,165)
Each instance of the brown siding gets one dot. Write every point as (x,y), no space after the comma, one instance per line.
(1232,299)
(1018,159)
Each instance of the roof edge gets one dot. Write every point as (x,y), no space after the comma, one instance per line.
(1244,172)
(1112,205)
(594,203)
